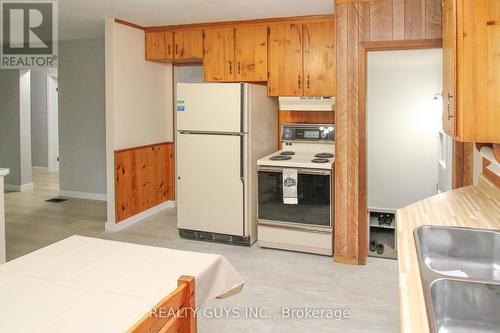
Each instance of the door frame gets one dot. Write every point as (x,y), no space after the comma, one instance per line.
(364,48)
(52,121)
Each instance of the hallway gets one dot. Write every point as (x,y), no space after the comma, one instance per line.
(32,223)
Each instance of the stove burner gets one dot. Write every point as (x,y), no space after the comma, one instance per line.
(280,158)
(324,155)
(287,153)
(320,160)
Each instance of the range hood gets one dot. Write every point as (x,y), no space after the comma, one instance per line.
(307,103)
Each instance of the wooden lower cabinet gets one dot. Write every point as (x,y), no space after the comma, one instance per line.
(471,62)
(218,58)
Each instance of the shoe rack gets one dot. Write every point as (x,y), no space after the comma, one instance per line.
(382,242)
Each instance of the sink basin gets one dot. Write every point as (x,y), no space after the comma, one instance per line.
(460,273)
(461,307)
(461,252)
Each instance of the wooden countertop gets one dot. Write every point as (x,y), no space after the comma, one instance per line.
(473,206)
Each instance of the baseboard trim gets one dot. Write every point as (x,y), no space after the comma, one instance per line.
(46,169)
(83,195)
(113,227)
(19,188)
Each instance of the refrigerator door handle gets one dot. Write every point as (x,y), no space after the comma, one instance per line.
(242,161)
(241,134)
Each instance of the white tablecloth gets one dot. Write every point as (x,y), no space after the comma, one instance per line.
(83,284)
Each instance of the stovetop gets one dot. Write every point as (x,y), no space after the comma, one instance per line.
(299,159)
(307,146)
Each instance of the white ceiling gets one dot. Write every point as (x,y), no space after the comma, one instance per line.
(84,18)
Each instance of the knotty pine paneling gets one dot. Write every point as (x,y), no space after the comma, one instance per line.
(414,19)
(381,25)
(306,117)
(357,22)
(341,131)
(144,178)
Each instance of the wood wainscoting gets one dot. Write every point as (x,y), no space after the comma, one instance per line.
(144,178)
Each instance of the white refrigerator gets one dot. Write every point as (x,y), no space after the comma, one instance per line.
(222,130)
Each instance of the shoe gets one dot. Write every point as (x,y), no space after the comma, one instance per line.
(388,219)
(381,219)
(380,248)
(373,246)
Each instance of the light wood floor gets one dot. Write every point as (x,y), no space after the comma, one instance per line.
(274,279)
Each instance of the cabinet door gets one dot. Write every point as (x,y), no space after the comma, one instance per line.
(285,60)
(169,44)
(479,72)
(319,59)
(156,46)
(188,44)
(449,66)
(251,54)
(218,58)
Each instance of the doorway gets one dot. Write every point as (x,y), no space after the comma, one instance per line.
(44,129)
(53,123)
(403,119)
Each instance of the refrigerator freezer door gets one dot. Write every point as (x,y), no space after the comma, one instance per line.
(212,107)
(209,186)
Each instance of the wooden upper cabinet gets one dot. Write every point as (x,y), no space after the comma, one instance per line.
(188,44)
(218,59)
(159,46)
(251,53)
(319,59)
(449,66)
(471,62)
(285,60)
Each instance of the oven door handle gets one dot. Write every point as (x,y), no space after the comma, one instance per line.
(317,172)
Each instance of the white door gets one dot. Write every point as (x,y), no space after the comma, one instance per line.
(212,107)
(209,186)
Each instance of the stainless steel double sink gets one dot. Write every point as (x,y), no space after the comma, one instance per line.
(460,273)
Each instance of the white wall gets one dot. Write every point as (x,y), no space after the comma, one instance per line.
(402,126)
(82,129)
(9,125)
(142,92)
(15,138)
(139,97)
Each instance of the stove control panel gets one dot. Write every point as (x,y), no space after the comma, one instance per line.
(308,133)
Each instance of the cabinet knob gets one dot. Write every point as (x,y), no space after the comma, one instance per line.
(230,67)
(239,67)
(308,82)
(299,81)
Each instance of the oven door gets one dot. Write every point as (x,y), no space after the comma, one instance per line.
(314,192)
